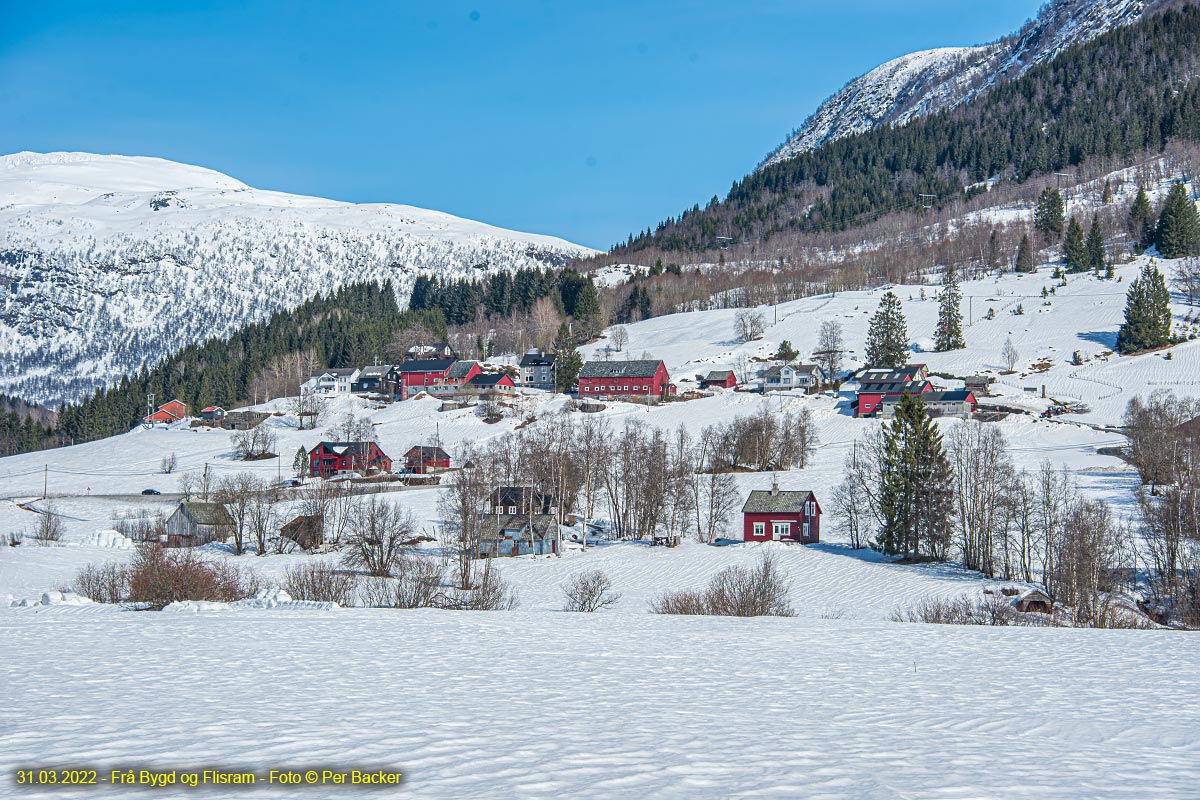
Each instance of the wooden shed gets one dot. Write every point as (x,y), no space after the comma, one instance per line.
(1035,601)
(306,530)
(193,524)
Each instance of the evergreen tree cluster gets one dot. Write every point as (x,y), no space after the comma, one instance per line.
(502,294)
(20,429)
(1177,234)
(1051,119)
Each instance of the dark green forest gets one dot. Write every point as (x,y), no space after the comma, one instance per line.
(1130,90)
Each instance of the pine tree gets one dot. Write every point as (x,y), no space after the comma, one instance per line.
(1074,248)
(949,335)
(1108,193)
(916,492)
(1095,246)
(887,338)
(1147,313)
(1025,255)
(786,353)
(587,311)
(1049,215)
(1178,232)
(1141,220)
(567,362)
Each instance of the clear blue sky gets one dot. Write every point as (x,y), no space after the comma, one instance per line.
(585,120)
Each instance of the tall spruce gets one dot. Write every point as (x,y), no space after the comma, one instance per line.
(1141,220)
(1178,231)
(1147,313)
(949,334)
(916,492)
(567,362)
(588,317)
(1095,246)
(1075,248)
(887,338)
(1049,215)
(1025,255)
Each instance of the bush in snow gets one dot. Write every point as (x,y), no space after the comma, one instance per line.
(590,591)
(103,583)
(736,591)
(490,592)
(158,577)
(49,527)
(321,582)
(418,584)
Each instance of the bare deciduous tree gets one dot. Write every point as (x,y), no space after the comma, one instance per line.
(379,535)
(1009,354)
(168,464)
(748,325)
(589,591)
(619,337)
(830,349)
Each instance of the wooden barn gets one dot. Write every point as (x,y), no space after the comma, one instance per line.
(1035,601)
(644,379)
(723,378)
(193,524)
(423,459)
(173,411)
(781,516)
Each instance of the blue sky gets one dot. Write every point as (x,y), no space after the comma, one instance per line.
(585,120)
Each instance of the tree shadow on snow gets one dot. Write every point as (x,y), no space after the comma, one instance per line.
(1104,338)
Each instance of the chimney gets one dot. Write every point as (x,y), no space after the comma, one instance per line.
(774,487)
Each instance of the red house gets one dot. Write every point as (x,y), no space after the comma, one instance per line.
(646,379)
(169,412)
(876,384)
(424,459)
(334,458)
(781,516)
(725,378)
(413,375)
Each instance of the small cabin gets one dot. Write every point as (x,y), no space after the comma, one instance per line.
(423,459)
(781,516)
(723,379)
(212,414)
(193,524)
(1035,601)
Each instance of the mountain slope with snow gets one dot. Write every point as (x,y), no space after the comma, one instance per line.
(111,262)
(929,81)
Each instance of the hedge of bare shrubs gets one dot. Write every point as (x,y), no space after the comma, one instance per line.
(157,577)
(737,591)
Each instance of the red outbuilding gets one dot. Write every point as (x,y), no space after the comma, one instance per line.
(334,458)
(169,412)
(645,379)
(792,516)
(413,375)
(725,379)
(423,459)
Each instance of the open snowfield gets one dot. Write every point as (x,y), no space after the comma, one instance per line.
(539,704)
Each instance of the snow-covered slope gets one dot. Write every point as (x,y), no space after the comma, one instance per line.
(107,262)
(935,80)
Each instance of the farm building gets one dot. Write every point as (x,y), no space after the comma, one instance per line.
(519,535)
(212,414)
(192,524)
(497,386)
(521,500)
(537,370)
(416,374)
(1035,601)
(775,515)
(722,379)
(452,384)
(644,379)
(953,403)
(331,381)
(423,459)
(172,411)
(785,377)
(876,384)
(306,530)
(335,458)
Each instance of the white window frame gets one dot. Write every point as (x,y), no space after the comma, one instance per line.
(760,529)
(780,529)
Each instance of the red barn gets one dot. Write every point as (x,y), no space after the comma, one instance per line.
(334,458)
(424,459)
(781,516)
(169,412)
(876,384)
(726,379)
(645,379)
(417,373)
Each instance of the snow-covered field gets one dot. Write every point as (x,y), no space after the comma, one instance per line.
(543,704)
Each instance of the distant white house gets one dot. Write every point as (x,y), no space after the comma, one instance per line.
(332,381)
(784,377)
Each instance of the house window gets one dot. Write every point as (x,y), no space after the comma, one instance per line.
(759,528)
(806,530)
(779,529)
(512,509)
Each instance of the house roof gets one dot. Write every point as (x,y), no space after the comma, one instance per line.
(537,360)
(426,451)
(488,378)
(429,348)
(949,396)
(522,496)
(461,368)
(893,387)
(301,522)
(544,526)
(207,513)
(375,371)
(341,448)
(211,408)
(718,375)
(643,368)
(779,502)
(426,365)
(339,372)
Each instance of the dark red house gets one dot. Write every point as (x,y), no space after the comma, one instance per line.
(413,375)
(725,378)
(774,515)
(645,379)
(168,412)
(334,458)
(423,459)
(876,384)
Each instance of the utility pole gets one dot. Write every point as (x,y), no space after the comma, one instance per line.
(45,480)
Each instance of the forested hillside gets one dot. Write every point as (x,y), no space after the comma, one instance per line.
(1131,90)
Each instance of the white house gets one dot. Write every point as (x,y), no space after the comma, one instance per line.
(332,381)
(787,376)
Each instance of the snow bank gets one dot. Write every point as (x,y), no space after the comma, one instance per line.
(108,538)
(266,598)
(53,598)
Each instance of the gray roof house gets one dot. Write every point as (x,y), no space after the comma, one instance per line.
(783,377)
(194,523)
(519,535)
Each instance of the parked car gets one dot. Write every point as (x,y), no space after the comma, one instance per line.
(151,491)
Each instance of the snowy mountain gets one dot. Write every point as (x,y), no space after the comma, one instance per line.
(937,80)
(110,262)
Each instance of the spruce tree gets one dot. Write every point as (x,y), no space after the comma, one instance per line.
(567,362)
(1075,248)
(887,338)
(1178,232)
(1049,215)
(786,353)
(949,335)
(1095,246)
(1141,220)
(1147,313)
(916,491)
(587,311)
(1025,255)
